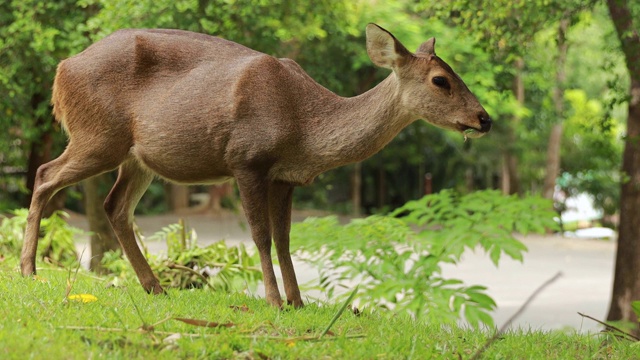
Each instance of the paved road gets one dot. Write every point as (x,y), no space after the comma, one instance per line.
(587,267)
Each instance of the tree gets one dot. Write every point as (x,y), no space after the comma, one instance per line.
(555,136)
(103,238)
(34,36)
(507,30)
(626,285)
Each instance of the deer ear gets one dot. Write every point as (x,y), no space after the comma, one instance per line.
(428,47)
(383,48)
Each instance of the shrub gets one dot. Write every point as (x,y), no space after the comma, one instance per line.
(217,266)
(56,244)
(397,258)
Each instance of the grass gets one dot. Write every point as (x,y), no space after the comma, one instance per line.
(38,322)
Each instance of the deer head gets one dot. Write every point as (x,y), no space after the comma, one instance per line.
(428,87)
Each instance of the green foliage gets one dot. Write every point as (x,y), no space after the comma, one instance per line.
(483,218)
(480,39)
(55,246)
(185,266)
(397,258)
(34,36)
(591,144)
(635,305)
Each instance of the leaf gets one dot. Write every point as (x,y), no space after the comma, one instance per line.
(40,279)
(484,301)
(204,323)
(635,305)
(84,298)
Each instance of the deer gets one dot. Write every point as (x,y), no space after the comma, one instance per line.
(192,108)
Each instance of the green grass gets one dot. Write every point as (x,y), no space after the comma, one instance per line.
(36,322)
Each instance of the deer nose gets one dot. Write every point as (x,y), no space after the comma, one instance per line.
(485,122)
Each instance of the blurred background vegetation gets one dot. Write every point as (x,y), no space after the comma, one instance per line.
(550,73)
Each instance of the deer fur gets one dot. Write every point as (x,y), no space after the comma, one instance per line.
(194,109)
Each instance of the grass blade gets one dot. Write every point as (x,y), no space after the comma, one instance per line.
(337,315)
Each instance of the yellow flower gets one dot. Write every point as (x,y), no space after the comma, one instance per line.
(85,298)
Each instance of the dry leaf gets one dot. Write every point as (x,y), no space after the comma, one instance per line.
(243,308)
(40,278)
(172,339)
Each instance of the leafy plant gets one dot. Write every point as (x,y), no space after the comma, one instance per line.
(217,266)
(397,258)
(55,246)
(635,305)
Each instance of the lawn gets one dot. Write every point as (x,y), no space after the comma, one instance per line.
(39,321)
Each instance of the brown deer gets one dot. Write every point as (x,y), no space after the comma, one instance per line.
(193,109)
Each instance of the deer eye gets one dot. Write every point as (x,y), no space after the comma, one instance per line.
(440,81)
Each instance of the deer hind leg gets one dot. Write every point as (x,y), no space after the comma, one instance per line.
(280,197)
(119,205)
(254,196)
(75,164)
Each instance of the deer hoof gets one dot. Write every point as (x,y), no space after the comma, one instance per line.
(297,303)
(27,269)
(277,302)
(154,288)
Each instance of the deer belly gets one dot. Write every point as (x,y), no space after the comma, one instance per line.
(186,164)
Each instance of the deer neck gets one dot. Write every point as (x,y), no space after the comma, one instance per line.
(353,129)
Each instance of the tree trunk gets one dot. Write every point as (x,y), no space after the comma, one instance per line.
(179,197)
(217,193)
(102,238)
(356,189)
(626,284)
(40,153)
(511,161)
(468,180)
(382,189)
(428,184)
(553,161)
(511,179)
(504,175)
(555,137)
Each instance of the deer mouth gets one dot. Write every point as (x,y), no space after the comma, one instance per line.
(470,132)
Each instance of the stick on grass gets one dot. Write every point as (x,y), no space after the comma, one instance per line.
(516,315)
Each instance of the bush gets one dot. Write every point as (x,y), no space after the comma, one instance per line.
(217,266)
(56,244)
(397,258)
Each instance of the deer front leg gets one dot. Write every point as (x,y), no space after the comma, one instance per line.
(254,196)
(280,196)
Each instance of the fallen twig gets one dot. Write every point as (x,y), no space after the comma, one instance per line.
(204,323)
(188,269)
(196,335)
(515,315)
(611,327)
(153,326)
